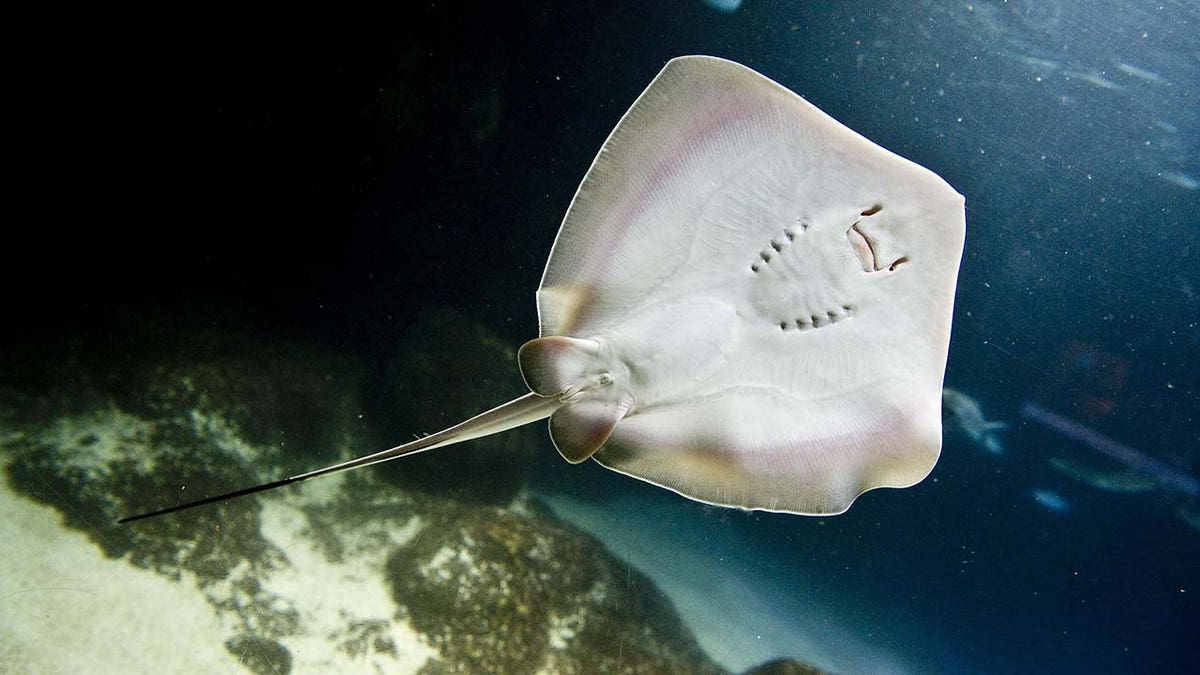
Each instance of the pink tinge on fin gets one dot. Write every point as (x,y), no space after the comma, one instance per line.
(580,428)
(553,364)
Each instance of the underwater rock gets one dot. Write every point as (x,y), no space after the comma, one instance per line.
(784,667)
(292,399)
(219,411)
(445,370)
(507,591)
(98,466)
(115,438)
(261,656)
(348,572)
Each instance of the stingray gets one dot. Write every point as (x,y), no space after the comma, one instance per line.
(747,303)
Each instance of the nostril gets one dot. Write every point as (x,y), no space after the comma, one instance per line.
(897,263)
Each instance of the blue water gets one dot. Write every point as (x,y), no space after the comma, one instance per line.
(329,189)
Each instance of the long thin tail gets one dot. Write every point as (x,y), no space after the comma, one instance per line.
(515,413)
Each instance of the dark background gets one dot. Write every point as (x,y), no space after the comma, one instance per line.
(316,179)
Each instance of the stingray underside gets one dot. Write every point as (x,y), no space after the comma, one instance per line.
(749,303)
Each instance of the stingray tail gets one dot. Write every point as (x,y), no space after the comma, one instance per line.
(515,413)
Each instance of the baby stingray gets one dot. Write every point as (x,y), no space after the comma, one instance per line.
(747,303)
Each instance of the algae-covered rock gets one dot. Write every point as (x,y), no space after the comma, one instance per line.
(292,400)
(116,437)
(99,466)
(205,418)
(260,655)
(349,572)
(784,667)
(505,591)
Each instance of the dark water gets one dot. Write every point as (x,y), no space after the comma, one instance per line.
(295,184)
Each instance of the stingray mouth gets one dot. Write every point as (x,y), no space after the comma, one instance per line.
(862,248)
(865,248)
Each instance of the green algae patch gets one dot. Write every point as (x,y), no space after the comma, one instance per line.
(506,591)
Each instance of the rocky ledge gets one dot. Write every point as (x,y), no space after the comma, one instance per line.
(349,573)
